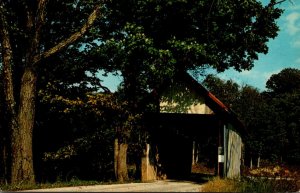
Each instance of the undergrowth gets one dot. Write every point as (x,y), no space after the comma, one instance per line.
(250,185)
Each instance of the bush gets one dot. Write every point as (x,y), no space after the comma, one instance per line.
(87,158)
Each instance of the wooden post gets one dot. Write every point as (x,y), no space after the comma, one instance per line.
(197,152)
(225,150)
(147,170)
(221,151)
(194,152)
(116,153)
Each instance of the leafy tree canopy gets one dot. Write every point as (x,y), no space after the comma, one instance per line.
(272,119)
(286,81)
(222,34)
(284,97)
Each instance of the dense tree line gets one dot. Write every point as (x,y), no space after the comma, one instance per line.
(53,106)
(271,117)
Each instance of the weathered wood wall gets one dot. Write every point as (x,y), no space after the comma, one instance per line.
(233,153)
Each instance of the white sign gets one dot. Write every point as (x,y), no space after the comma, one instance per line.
(221,158)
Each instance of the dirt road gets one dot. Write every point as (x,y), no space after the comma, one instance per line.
(158,186)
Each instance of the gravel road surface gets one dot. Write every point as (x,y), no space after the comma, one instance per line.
(157,186)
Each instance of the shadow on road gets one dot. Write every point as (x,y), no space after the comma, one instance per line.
(197,178)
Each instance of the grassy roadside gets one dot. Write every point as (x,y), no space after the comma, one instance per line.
(250,185)
(58,184)
(270,177)
(245,184)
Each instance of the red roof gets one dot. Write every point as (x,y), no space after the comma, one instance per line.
(214,98)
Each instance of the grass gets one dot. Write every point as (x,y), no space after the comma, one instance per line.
(250,185)
(58,184)
(270,177)
(220,185)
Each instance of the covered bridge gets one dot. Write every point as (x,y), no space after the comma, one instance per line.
(188,115)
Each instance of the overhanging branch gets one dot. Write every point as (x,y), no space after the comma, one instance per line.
(91,19)
(279,2)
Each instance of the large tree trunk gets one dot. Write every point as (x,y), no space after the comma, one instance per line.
(22,160)
(21,120)
(121,171)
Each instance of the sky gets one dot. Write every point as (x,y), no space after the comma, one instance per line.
(284,52)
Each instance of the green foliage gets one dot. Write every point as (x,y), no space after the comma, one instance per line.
(65,69)
(222,34)
(283,96)
(148,42)
(87,124)
(151,41)
(271,118)
(84,147)
(249,105)
(287,81)
(142,65)
(62,19)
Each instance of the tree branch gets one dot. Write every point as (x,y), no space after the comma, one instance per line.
(91,19)
(40,18)
(29,15)
(278,2)
(7,62)
(34,27)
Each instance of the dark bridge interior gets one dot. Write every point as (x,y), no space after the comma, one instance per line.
(173,136)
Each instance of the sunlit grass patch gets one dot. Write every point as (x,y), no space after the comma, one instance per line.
(220,185)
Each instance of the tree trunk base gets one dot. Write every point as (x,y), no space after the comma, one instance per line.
(120,162)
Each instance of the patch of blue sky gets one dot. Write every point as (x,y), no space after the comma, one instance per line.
(110,80)
(284,50)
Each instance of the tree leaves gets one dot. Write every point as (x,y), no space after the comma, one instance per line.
(287,81)
(271,118)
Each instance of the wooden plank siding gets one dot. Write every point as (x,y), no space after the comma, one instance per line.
(233,153)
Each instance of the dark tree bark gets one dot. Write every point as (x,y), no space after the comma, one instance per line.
(22,164)
(22,118)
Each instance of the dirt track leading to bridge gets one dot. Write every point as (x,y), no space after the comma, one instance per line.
(157,186)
